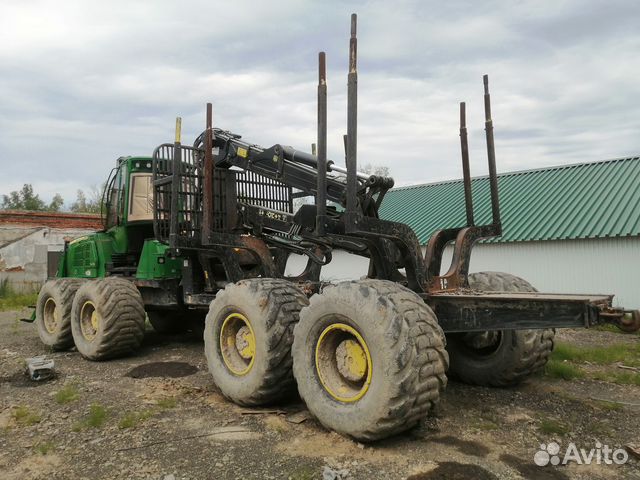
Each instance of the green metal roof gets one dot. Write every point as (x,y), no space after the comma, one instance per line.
(586,200)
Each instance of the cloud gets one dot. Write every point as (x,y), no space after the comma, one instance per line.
(84,82)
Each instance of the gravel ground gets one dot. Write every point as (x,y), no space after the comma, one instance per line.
(157,415)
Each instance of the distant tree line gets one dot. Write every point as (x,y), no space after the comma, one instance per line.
(27,199)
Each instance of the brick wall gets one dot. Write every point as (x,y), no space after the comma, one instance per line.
(51,219)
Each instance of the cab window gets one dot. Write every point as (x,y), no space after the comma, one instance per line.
(114,200)
(141,197)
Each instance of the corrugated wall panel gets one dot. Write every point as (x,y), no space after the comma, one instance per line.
(609,266)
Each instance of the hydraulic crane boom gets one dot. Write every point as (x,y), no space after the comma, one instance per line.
(286,164)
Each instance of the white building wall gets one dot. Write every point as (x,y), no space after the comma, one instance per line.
(608,266)
(23,259)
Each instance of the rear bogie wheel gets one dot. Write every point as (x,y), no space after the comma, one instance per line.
(369,358)
(248,336)
(498,358)
(630,321)
(107,319)
(53,312)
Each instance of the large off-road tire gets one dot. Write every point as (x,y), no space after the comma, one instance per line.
(248,336)
(168,322)
(53,312)
(369,358)
(107,318)
(498,358)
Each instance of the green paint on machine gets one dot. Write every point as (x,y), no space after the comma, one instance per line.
(155,263)
(127,244)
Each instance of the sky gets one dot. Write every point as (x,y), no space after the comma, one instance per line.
(84,82)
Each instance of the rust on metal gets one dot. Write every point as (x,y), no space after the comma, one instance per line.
(491,155)
(207,181)
(321,195)
(466,173)
(630,321)
(352,128)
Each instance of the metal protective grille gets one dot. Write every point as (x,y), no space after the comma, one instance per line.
(256,189)
(178,195)
(181,203)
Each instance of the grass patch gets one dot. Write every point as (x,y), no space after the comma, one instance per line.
(25,417)
(562,370)
(621,378)
(608,405)
(17,301)
(598,428)
(565,357)
(552,427)
(69,393)
(167,402)
(44,447)
(608,327)
(485,425)
(131,419)
(627,354)
(305,472)
(11,300)
(95,419)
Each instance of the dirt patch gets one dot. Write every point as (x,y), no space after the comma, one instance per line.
(22,380)
(594,338)
(531,470)
(455,471)
(483,433)
(468,447)
(162,370)
(33,466)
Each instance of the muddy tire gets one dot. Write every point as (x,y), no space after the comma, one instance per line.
(53,312)
(498,358)
(630,322)
(169,322)
(369,358)
(107,319)
(248,336)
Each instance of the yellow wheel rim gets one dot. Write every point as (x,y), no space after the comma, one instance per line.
(237,344)
(89,320)
(343,363)
(51,315)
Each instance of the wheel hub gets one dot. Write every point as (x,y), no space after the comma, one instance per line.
(351,360)
(482,340)
(343,363)
(237,344)
(245,342)
(51,315)
(630,321)
(89,321)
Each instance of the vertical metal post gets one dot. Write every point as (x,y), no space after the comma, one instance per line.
(207,181)
(175,186)
(491,155)
(466,174)
(314,151)
(352,127)
(344,140)
(321,197)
